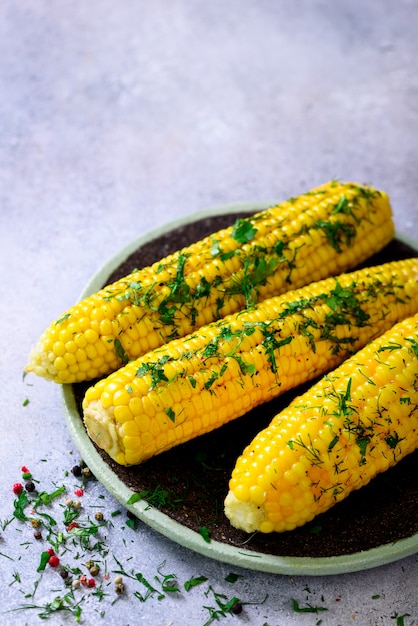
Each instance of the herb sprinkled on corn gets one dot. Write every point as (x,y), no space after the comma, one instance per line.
(321,233)
(353,424)
(195,384)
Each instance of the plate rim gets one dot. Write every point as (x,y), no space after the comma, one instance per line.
(163,523)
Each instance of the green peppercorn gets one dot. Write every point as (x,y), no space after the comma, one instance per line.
(99,517)
(94,570)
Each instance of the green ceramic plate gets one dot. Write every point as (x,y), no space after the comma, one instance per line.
(238,554)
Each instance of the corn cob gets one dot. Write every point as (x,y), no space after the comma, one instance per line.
(199,382)
(321,233)
(353,424)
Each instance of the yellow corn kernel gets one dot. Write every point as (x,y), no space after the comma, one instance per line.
(356,422)
(321,233)
(248,358)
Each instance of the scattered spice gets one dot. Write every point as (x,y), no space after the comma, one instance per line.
(76,470)
(236,608)
(119,588)
(53,561)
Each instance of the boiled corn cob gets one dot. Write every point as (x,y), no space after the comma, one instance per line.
(353,424)
(321,233)
(199,382)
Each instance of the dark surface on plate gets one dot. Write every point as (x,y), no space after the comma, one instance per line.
(190,482)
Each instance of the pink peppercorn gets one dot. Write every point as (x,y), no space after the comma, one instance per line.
(91,582)
(17,489)
(73,525)
(79,492)
(53,561)
(50,551)
(24,469)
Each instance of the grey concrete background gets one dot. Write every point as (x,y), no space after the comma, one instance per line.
(118,117)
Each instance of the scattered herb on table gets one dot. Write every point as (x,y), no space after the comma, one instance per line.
(72,543)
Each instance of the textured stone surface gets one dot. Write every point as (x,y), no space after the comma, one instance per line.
(119,117)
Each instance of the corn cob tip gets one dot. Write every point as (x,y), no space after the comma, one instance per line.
(38,362)
(103,432)
(42,361)
(246,516)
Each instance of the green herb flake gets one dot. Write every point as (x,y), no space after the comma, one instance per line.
(171,414)
(414,346)
(194,581)
(192,380)
(243,231)
(337,233)
(215,249)
(232,577)
(332,443)
(245,367)
(205,533)
(393,440)
(45,556)
(120,352)
(400,619)
(46,498)
(135,497)
(62,319)
(306,609)
(19,507)
(211,380)
(224,605)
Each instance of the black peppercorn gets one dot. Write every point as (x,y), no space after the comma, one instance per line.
(30,486)
(236,608)
(76,470)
